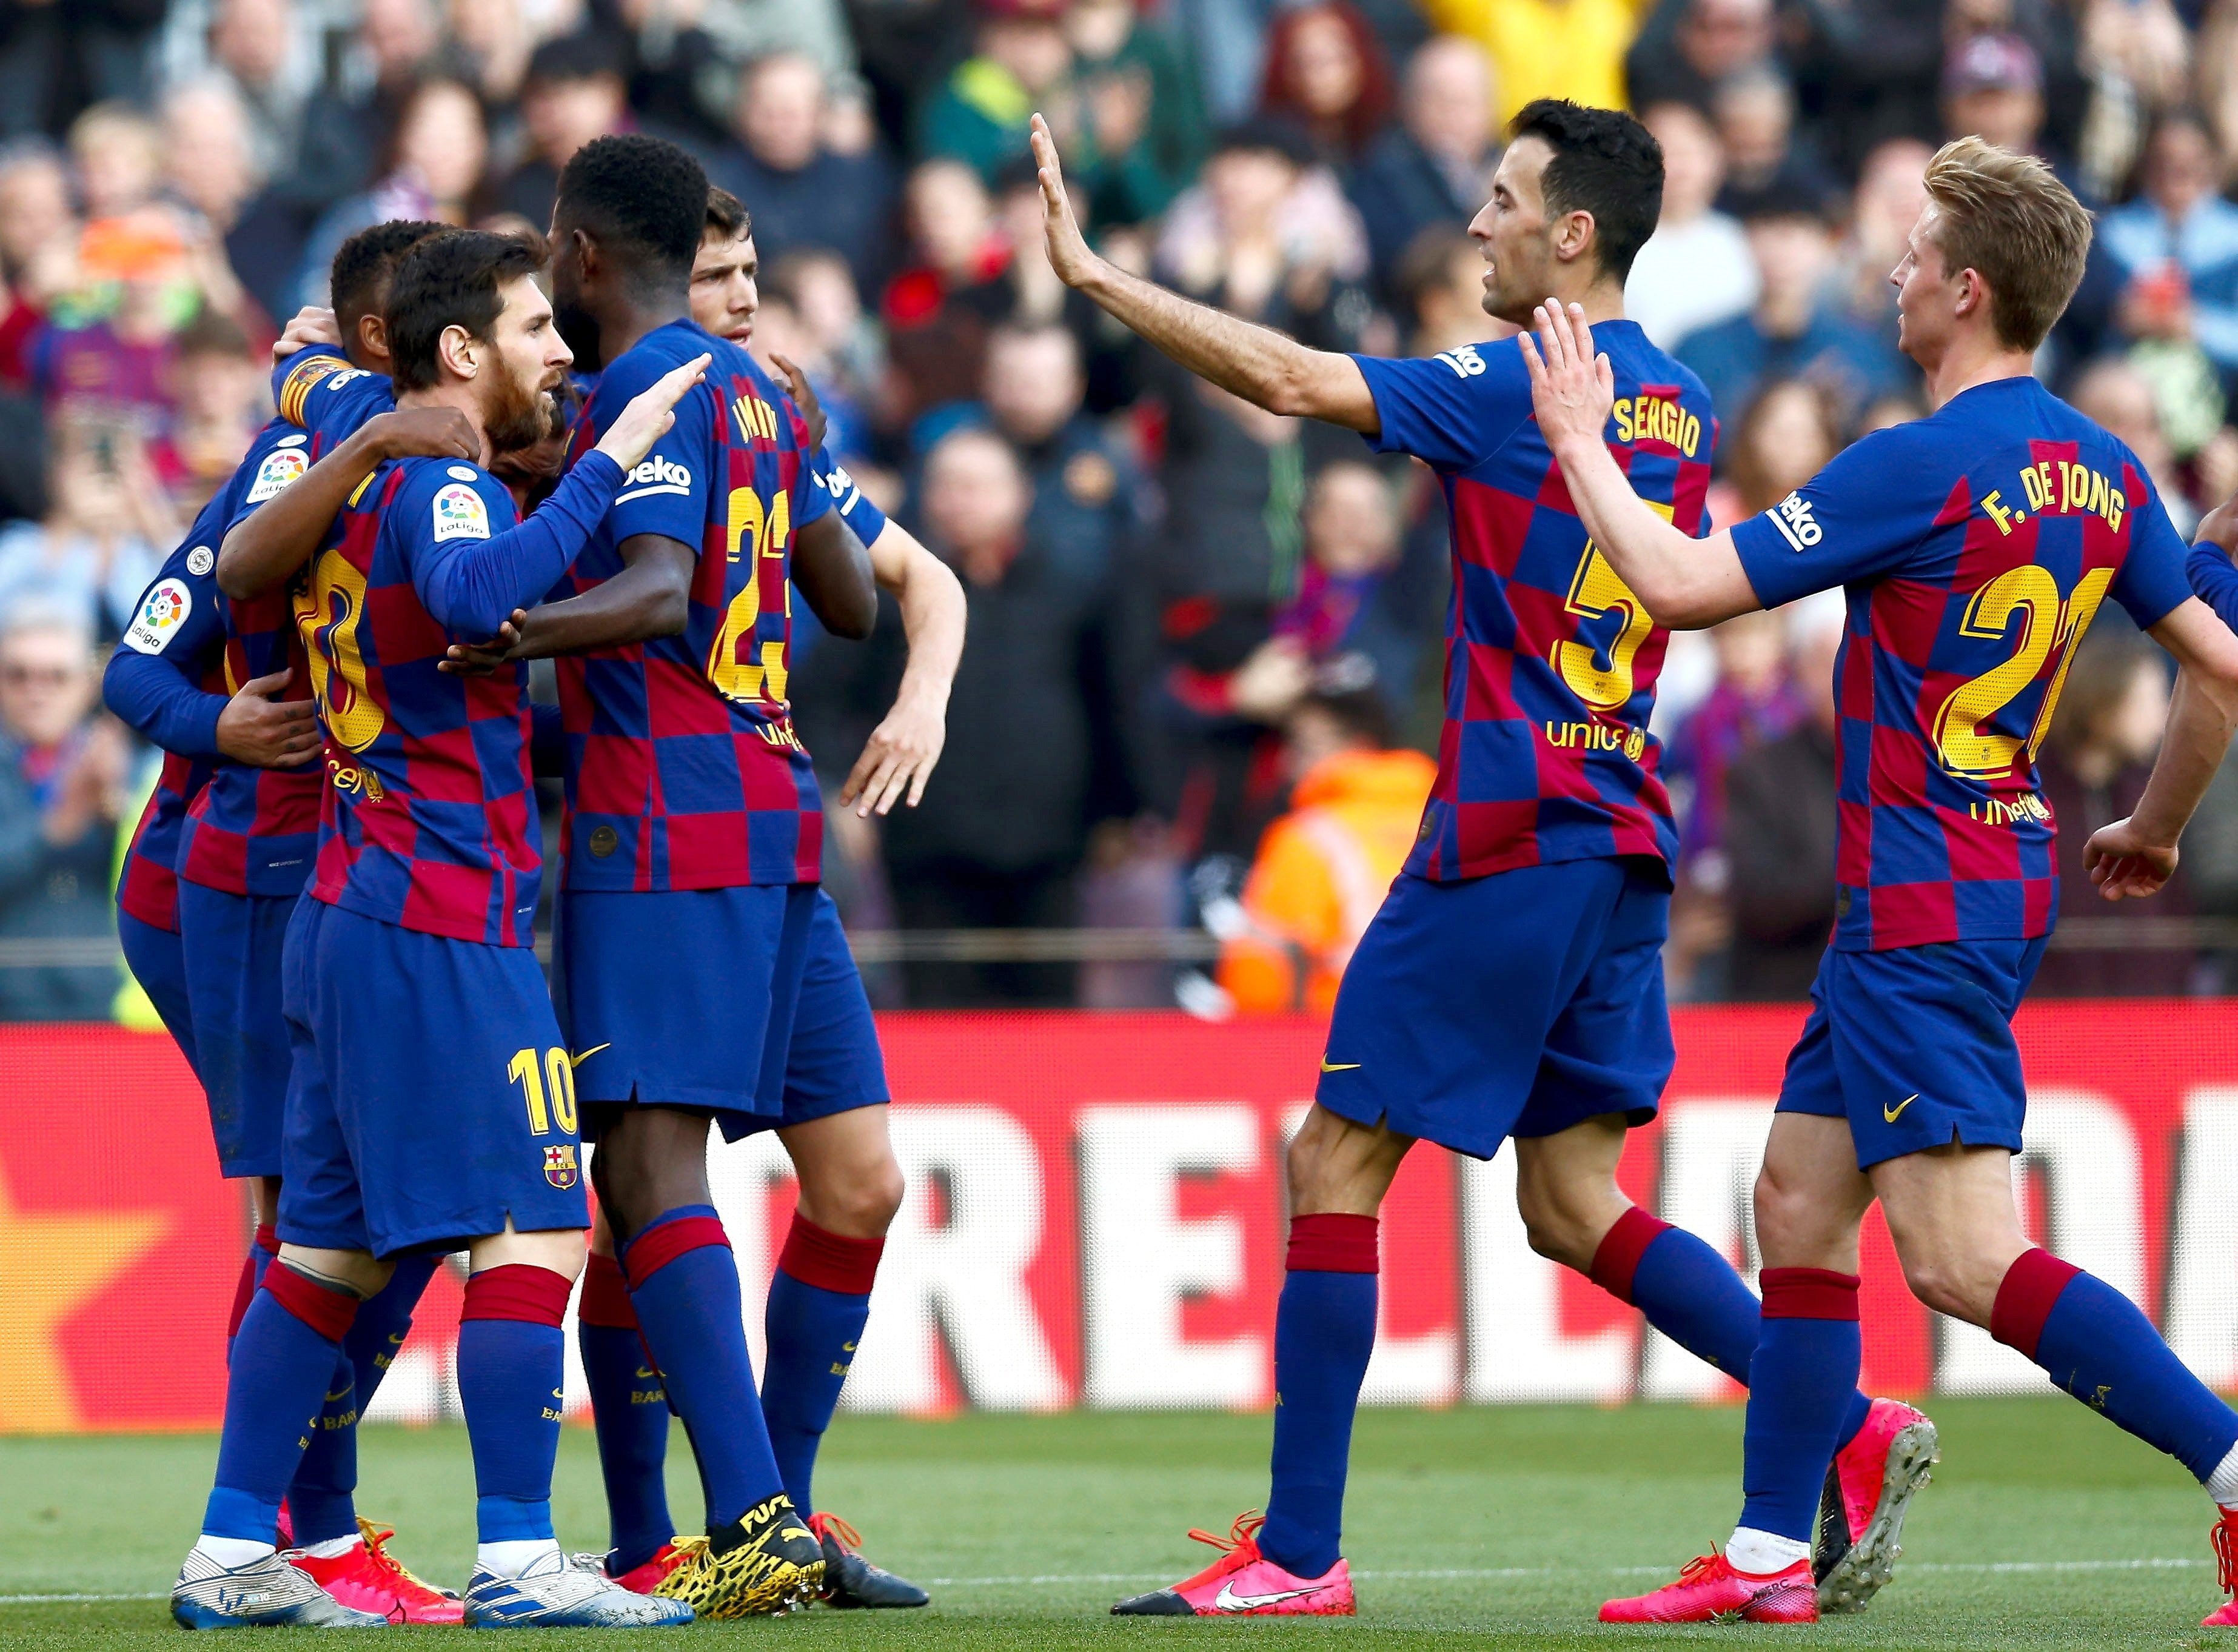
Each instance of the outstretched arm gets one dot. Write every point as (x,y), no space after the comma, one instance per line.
(1686,582)
(1254,362)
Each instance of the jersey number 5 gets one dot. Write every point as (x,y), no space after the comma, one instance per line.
(1595,589)
(760,533)
(2030,594)
(327,614)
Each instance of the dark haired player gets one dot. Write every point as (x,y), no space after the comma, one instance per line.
(430,1106)
(834,1121)
(239,851)
(1541,879)
(1975,546)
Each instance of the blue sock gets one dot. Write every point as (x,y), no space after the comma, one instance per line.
(1806,1368)
(2097,1346)
(684,1286)
(818,1304)
(287,1348)
(631,1414)
(512,1359)
(1692,1295)
(322,1499)
(262,1250)
(1324,1332)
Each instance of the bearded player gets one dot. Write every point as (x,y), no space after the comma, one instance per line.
(1540,879)
(1975,546)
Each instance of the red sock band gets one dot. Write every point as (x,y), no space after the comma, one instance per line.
(2025,1298)
(605,1296)
(517,1290)
(658,1246)
(1332,1244)
(327,1311)
(1616,1256)
(267,1239)
(831,1261)
(243,1291)
(1809,1293)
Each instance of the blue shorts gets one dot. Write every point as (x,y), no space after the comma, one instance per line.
(1517,1004)
(782,1033)
(233,944)
(430,1100)
(1914,1046)
(158,962)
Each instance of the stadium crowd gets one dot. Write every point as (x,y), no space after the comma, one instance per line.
(1190,622)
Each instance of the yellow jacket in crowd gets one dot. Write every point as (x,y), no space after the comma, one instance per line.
(1571,49)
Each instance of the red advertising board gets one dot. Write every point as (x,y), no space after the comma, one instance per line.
(1095,1218)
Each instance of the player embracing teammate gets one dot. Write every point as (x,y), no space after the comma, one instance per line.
(1975,546)
(1510,988)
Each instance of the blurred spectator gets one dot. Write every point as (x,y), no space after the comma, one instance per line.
(575,92)
(1323,868)
(2118,396)
(1714,41)
(211,164)
(1779,828)
(1441,284)
(1571,49)
(106,531)
(1435,168)
(350,125)
(1696,269)
(57,59)
(1993,88)
(2092,771)
(1086,498)
(938,343)
(488,48)
(63,767)
(1023,64)
(1756,700)
(266,51)
(1326,73)
(1267,235)
(2176,245)
(1341,607)
(220,396)
(995,844)
(1791,331)
(1783,438)
(837,346)
(1766,157)
(802,193)
(1140,100)
(1891,193)
(432,172)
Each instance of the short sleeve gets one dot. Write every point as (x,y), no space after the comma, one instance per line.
(2153,583)
(830,477)
(1856,519)
(1453,409)
(667,493)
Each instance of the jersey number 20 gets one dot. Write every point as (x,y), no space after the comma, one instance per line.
(2030,595)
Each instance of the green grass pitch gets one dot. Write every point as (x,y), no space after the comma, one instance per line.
(1482,1527)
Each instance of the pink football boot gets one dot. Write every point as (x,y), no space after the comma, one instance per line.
(1243,1582)
(1868,1493)
(2225,1616)
(1711,1591)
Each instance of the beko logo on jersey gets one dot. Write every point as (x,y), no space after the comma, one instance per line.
(656,475)
(1791,516)
(1464,360)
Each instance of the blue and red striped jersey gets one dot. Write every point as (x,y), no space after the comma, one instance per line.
(428,816)
(147,886)
(684,771)
(1975,547)
(1550,660)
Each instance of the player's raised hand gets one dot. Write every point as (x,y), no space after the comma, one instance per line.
(899,757)
(1068,253)
(2124,864)
(804,393)
(479,659)
(268,733)
(313,324)
(650,414)
(1573,390)
(423,432)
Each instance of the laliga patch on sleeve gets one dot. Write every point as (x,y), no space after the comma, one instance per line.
(161,613)
(280,466)
(460,514)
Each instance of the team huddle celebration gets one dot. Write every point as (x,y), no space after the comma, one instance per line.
(561,456)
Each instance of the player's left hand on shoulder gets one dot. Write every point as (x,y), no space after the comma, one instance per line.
(480,659)
(423,433)
(898,759)
(2124,864)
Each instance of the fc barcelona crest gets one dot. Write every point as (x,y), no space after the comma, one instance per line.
(560,1165)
